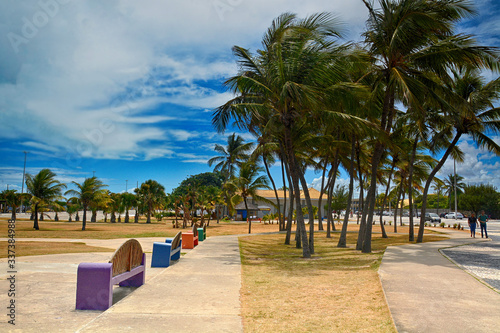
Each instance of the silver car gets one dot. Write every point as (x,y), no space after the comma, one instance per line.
(452,216)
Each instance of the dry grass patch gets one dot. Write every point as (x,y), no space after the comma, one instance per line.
(42,248)
(101,230)
(338,290)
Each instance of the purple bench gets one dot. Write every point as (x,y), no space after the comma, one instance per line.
(95,281)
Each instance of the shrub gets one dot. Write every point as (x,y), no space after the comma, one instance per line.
(442,224)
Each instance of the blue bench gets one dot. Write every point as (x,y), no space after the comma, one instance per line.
(163,253)
(95,281)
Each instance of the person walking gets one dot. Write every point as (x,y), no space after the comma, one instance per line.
(483,218)
(472,225)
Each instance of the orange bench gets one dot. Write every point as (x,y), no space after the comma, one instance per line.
(190,238)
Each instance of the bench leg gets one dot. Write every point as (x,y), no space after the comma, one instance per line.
(177,255)
(136,280)
(94,290)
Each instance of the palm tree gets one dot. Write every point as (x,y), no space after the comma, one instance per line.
(232,156)
(285,85)
(14,200)
(87,193)
(412,43)
(151,194)
(128,200)
(471,112)
(449,185)
(43,187)
(246,185)
(438,187)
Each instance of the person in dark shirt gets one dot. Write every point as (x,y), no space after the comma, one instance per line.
(472,225)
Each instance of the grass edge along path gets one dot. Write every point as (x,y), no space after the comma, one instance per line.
(26,248)
(338,290)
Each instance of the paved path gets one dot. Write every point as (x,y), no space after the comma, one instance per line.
(199,293)
(426,292)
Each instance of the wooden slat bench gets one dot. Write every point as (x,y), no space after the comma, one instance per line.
(164,252)
(94,286)
(190,239)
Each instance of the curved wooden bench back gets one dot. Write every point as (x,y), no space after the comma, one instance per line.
(126,257)
(176,240)
(195,230)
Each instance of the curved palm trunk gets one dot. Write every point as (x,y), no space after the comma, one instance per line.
(311,212)
(56,218)
(283,227)
(94,216)
(398,204)
(275,191)
(294,173)
(384,203)
(411,234)
(420,236)
(343,234)
(322,189)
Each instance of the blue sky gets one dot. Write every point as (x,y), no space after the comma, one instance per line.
(124,89)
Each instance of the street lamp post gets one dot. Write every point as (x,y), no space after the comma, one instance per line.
(24,172)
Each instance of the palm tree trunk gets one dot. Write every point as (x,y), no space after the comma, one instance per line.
(420,236)
(343,234)
(398,204)
(411,235)
(127,217)
(384,203)
(311,212)
(249,220)
(84,219)
(274,188)
(294,173)
(150,208)
(284,188)
(320,215)
(35,222)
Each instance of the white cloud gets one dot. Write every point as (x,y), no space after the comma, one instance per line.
(478,166)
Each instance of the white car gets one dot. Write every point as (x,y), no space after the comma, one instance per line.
(452,216)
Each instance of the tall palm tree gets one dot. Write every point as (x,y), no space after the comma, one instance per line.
(449,185)
(44,187)
(151,194)
(87,193)
(246,185)
(410,43)
(471,112)
(285,85)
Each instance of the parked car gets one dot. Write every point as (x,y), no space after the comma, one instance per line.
(388,213)
(433,217)
(442,215)
(452,216)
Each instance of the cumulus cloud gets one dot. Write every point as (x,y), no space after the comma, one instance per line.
(479,165)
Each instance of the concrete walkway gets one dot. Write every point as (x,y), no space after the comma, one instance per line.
(427,292)
(199,293)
